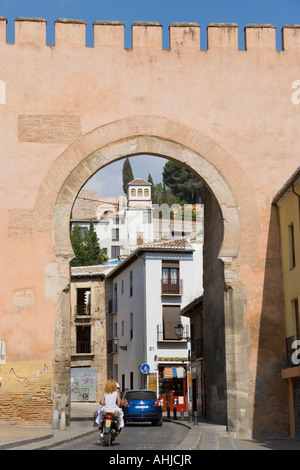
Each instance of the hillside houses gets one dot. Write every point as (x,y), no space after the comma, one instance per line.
(125,222)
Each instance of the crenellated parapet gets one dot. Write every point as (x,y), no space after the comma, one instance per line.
(148,35)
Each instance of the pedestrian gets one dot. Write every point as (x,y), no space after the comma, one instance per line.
(111,401)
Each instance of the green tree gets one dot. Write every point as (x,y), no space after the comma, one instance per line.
(86,247)
(160,194)
(184,185)
(78,246)
(127,174)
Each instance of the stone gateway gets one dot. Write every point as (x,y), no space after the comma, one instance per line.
(67,111)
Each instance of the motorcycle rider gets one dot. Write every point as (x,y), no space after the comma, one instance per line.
(112,402)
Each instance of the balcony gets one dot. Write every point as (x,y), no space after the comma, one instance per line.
(82,348)
(113,306)
(169,288)
(171,338)
(83,310)
(112,348)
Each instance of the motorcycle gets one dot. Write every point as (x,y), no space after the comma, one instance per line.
(109,428)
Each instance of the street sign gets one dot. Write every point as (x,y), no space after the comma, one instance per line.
(145,368)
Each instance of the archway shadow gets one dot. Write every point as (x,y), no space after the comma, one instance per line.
(270,418)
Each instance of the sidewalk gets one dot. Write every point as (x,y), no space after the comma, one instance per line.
(203,436)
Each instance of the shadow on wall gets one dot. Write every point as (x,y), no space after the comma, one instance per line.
(271,417)
(213,311)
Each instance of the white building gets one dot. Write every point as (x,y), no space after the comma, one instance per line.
(148,290)
(122,227)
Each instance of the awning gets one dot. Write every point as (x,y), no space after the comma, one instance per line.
(174,372)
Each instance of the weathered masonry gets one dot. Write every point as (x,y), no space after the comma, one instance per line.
(68,110)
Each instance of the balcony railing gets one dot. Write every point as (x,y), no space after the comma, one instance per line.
(82,347)
(83,309)
(113,306)
(112,348)
(162,336)
(291,348)
(168,288)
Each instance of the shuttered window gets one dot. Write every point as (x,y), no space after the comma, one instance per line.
(171,316)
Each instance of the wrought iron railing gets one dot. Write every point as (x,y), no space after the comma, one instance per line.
(162,335)
(82,347)
(83,309)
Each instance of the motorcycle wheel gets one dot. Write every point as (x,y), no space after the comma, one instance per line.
(107,439)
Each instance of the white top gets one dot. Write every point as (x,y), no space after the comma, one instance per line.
(111,401)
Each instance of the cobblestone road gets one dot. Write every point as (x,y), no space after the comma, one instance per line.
(135,437)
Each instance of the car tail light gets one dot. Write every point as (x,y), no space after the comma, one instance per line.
(157,403)
(125,402)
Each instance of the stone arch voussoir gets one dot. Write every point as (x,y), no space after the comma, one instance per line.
(132,136)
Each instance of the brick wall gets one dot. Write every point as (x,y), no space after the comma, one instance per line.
(25,393)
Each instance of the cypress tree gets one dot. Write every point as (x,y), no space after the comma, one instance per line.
(127,174)
(78,246)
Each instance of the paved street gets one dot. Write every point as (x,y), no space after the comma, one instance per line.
(134,436)
(171,437)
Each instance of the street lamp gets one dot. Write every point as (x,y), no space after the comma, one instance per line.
(179,330)
(116,343)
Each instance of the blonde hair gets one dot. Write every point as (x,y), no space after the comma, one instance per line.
(111,386)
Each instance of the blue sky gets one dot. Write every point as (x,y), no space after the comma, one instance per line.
(242,12)
(203,12)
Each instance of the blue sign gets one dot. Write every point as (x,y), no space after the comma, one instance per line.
(145,368)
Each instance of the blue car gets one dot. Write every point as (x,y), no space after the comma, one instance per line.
(142,405)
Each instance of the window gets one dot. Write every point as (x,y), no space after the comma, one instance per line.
(140,192)
(122,286)
(131,325)
(83,339)
(122,328)
(131,380)
(115,330)
(115,297)
(146,192)
(131,284)
(123,381)
(83,230)
(147,217)
(115,251)
(170,277)
(171,316)
(133,192)
(292,246)
(115,234)
(83,301)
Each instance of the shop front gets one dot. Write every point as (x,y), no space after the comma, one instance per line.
(173,387)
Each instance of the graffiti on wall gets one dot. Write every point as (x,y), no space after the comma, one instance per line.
(83,383)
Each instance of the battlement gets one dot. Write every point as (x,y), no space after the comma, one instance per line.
(148,35)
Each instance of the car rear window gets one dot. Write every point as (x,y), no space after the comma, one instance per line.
(140,395)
